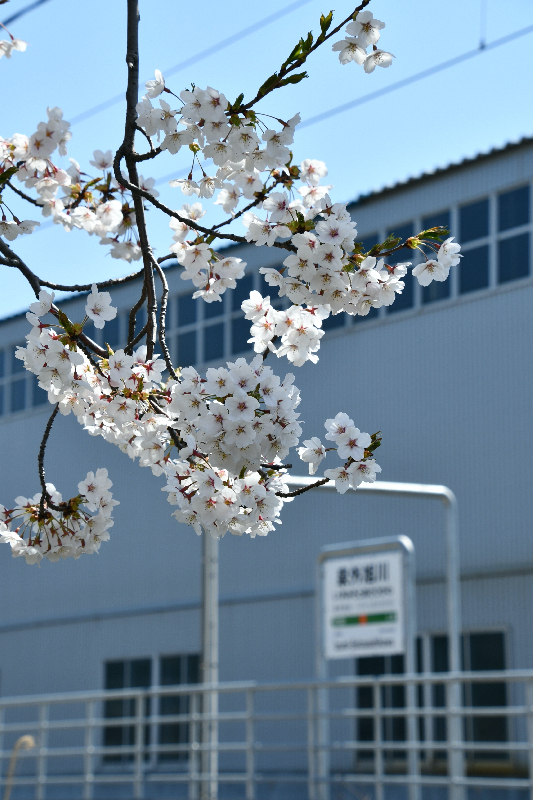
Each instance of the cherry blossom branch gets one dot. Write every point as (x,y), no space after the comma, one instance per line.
(40,462)
(304,488)
(132,320)
(261,197)
(19,264)
(162,318)
(25,196)
(127,151)
(137,339)
(147,156)
(148,139)
(136,190)
(86,287)
(298,62)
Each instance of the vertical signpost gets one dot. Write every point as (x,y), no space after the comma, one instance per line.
(367,608)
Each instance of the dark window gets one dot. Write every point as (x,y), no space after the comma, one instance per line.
(513,208)
(187,349)
(240,333)
(440,220)
(333,322)
(215,309)
(242,291)
(1,400)
(175,670)
(437,290)
(136,673)
(513,258)
(214,342)
(369,241)
(38,396)
(111,332)
(406,298)
(16,364)
(474,221)
(439,659)
(187,309)
(393,729)
(2,363)
(480,652)
(474,270)
(18,394)
(483,652)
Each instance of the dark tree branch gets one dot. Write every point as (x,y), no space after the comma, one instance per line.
(148,139)
(17,263)
(162,318)
(25,196)
(304,488)
(127,151)
(284,71)
(137,339)
(86,287)
(135,190)
(40,462)
(132,319)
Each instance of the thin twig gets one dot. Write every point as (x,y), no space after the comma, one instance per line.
(285,70)
(40,461)
(127,151)
(133,318)
(25,196)
(162,318)
(18,263)
(86,287)
(135,190)
(303,489)
(148,139)
(137,339)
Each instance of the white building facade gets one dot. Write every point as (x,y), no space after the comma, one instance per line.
(445,374)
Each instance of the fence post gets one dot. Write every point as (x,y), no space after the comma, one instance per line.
(194,752)
(250,759)
(311,745)
(41,759)
(529,705)
(2,741)
(209,667)
(378,741)
(137,778)
(88,783)
(455,740)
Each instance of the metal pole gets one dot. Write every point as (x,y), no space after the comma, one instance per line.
(209,668)
(453,589)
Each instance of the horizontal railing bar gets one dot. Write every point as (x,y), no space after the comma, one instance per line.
(243,686)
(242,716)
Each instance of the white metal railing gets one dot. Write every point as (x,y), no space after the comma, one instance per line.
(274,733)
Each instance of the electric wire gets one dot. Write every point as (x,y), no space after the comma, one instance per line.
(418,76)
(215,48)
(23,11)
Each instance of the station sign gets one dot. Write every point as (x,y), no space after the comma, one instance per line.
(363,602)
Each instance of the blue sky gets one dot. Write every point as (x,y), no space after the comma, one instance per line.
(75,60)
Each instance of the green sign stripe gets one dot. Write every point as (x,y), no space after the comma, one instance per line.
(365,619)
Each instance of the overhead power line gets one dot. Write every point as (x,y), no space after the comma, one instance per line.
(418,76)
(23,11)
(209,51)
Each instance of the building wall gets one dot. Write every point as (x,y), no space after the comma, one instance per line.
(449,385)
